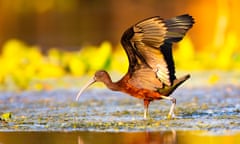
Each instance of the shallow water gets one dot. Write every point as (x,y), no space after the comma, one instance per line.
(201,108)
(204,114)
(166,137)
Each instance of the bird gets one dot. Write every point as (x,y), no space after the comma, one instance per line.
(151,70)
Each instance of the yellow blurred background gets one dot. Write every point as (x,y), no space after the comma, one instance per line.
(55,38)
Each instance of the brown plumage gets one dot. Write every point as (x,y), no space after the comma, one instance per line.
(151,72)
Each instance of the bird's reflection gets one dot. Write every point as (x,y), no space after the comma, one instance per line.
(162,137)
(80,141)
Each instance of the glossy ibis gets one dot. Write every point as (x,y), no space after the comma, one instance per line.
(151,72)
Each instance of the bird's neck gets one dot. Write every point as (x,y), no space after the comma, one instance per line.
(111,85)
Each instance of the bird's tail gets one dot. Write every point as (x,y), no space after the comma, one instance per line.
(180,80)
(177,82)
(177,27)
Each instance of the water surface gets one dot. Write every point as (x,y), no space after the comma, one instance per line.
(166,137)
(204,114)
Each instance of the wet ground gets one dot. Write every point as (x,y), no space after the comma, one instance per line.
(214,109)
(208,108)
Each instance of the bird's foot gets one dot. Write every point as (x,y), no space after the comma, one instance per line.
(170,116)
(146,104)
(146,114)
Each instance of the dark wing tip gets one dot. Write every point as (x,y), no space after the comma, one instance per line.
(186,16)
(187,19)
(178,26)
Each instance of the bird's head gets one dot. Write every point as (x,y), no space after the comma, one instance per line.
(99,76)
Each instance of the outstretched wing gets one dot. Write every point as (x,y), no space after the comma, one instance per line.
(149,43)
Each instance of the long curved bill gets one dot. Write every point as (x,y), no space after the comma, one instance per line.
(90,82)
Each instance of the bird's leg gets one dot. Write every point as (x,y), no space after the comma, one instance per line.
(171,112)
(146,104)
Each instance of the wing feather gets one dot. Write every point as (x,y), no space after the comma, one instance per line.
(149,43)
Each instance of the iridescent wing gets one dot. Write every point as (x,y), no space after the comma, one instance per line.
(148,44)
